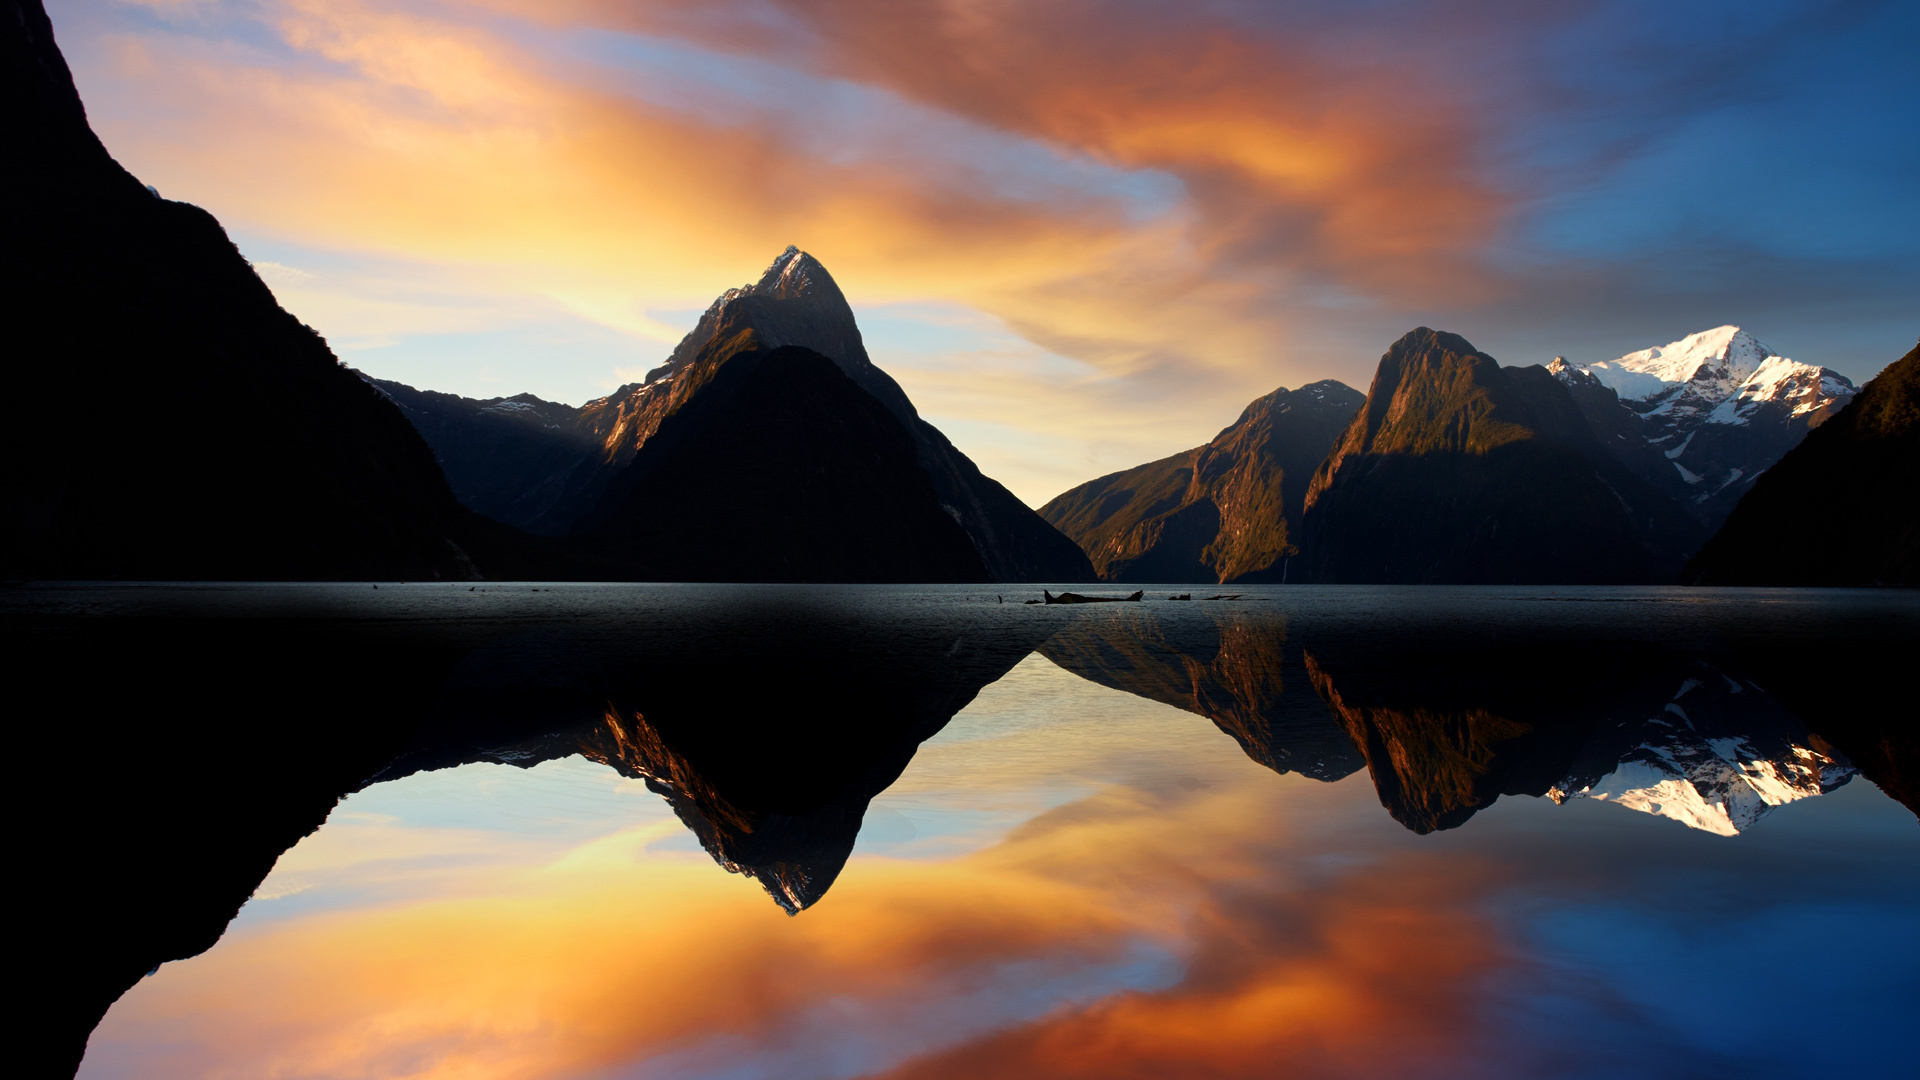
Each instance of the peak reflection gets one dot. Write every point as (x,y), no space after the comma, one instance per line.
(768,730)
(1228,665)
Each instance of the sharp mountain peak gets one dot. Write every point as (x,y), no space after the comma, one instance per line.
(794,273)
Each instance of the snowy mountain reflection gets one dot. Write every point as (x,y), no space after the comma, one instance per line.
(1445,727)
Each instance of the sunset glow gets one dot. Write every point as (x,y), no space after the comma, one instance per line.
(1081,235)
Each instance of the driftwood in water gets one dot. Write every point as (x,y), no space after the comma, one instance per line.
(1182,596)
(1076,598)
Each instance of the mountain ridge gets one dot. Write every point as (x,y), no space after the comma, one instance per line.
(559,482)
(1839,508)
(1226,511)
(772,465)
(1459,470)
(308,474)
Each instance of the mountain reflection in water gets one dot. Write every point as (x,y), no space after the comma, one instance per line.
(1446,726)
(1139,905)
(767,727)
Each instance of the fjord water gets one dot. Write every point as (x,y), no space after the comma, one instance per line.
(793,831)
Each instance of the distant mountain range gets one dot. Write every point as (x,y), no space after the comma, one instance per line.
(1455,469)
(767,448)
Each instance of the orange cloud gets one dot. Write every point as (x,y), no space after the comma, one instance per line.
(1298,153)
(431,133)
(1213,183)
(1351,981)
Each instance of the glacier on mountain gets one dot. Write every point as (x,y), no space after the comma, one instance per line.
(1719,405)
(1724,373)
(1711,360)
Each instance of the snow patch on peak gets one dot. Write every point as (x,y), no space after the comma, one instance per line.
(1724,355)
(1802,387)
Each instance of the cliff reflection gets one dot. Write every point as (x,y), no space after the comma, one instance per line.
(1448,714)
(769,719)
(1445,733)
(768,730)
(1230,666)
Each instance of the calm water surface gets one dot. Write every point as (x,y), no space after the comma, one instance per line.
(781,832)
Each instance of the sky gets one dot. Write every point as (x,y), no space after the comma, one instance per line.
(1082,235)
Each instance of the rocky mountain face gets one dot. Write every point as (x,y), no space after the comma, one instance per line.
(238,447)
(1227,511)
(1841,508)
(1459,470)
(776,467)
(1704,416)
(557,480)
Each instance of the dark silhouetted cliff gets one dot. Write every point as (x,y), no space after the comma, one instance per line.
(186,426)
(549,469)
(776,467)
(1841,508)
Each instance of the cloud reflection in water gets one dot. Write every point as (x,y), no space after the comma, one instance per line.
(1098,886)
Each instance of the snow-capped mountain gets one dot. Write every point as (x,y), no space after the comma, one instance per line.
(1717,407)
(1718,757)
(1711,362)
